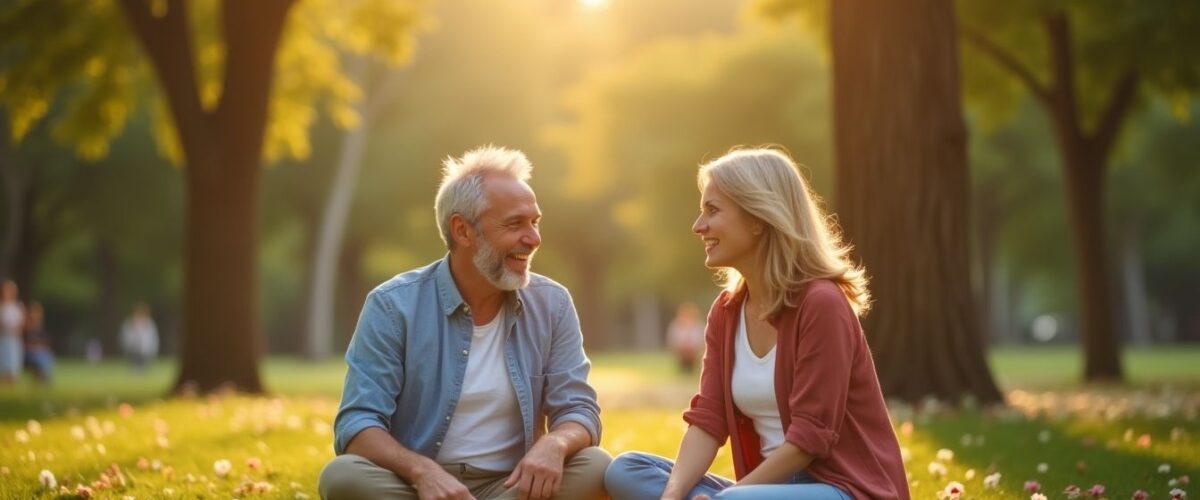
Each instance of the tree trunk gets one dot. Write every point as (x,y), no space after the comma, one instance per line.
(902,190)
(221,334)
(320,325)
(1085,200)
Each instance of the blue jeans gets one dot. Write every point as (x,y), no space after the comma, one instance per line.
(643,476)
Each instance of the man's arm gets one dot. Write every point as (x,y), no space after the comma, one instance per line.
(430,480)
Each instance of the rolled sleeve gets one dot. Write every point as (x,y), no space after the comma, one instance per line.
(825,351)
(374,375)
(707,409)
(568,397)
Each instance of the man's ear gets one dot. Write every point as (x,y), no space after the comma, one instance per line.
(461,231)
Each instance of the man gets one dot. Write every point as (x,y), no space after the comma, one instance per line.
(454,366)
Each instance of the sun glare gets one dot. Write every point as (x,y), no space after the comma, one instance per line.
(593,4)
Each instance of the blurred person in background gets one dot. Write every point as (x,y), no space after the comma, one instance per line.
(39,355)
(12,322)
(787,375)
(139,337)
(685,336)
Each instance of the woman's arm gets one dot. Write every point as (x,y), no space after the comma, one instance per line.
(696,453)
(786,461)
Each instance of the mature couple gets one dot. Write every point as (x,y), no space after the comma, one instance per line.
(467,377)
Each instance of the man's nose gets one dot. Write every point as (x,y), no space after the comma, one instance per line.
(532,238)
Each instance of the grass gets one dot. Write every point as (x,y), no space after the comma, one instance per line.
(106,428)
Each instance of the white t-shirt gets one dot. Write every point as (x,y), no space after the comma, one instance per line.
(754,389)
(486,430)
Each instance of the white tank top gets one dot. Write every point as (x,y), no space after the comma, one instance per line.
(754,389)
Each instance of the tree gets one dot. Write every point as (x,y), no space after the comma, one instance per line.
(902,189)
(1085,71)
(217,66)
(900,148)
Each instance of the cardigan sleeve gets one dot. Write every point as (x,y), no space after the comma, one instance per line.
(827,337)
(707,409)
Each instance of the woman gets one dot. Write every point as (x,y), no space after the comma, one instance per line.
(787,374)
(12,321)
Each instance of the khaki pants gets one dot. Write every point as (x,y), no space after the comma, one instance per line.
(353,477)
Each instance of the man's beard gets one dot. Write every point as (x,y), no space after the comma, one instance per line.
(490,262)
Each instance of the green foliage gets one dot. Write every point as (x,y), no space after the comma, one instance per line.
(83,52)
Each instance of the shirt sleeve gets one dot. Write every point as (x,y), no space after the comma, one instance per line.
(374,374)
(567,396)
(827,336)
(707,409)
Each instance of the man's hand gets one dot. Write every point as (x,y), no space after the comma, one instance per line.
(539,474)
(434,483)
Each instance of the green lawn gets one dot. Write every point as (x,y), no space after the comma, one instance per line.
(104,427)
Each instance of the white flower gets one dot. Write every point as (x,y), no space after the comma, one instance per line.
(1042,468)
(21,436)
(1178,493)
(47,479)
(945,455)
(34,427)
(77,433)
(937,468)
(991,480)
(1044,436)
(1037,496)
(970,474)
(952,491)
(1164,469)
(222,467)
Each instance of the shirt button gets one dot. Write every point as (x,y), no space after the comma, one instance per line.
(447,418)
(439,443)
(464,352)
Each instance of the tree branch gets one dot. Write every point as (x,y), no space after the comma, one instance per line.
(1119,103)
(1007,61)
(167,41)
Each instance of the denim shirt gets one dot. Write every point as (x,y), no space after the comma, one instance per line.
(408,357)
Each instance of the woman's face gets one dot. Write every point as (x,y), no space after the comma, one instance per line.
(730,235)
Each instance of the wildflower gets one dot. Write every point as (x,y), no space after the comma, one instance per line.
(142,463)
(47,479)
(937,469)
(906,428)
(1143,441)
(1178,494)
(991,480)
(155,464)
(101,449)
(82,491)
(1042,468)
(34,427)
(945,455)
(952,491)
(77,433)
(1033,486)
(300,495)
(162,441)
(124,410)
(1072,491)
(1097,490)
(22,436)
(1140,495)
(222,467)
(970,474)
(1184,479)
(253,463)
(1037,496)
(168,492)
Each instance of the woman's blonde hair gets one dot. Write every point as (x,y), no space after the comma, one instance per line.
(800,242)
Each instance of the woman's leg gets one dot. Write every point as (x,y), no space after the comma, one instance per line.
(636,476)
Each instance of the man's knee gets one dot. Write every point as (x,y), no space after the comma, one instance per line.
(592,460)
(583,476)
(352,476)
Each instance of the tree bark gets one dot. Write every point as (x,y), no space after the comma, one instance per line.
(221,330)
(902,194)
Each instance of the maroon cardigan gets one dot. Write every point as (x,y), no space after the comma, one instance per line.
(829,399)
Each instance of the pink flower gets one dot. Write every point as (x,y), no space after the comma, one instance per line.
(1143,441)
(1072,491)
(1033,486)
(952,491)
(1178,494)
(1140,495)
(1097,490)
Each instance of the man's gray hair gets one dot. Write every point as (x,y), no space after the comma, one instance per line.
(461,191)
